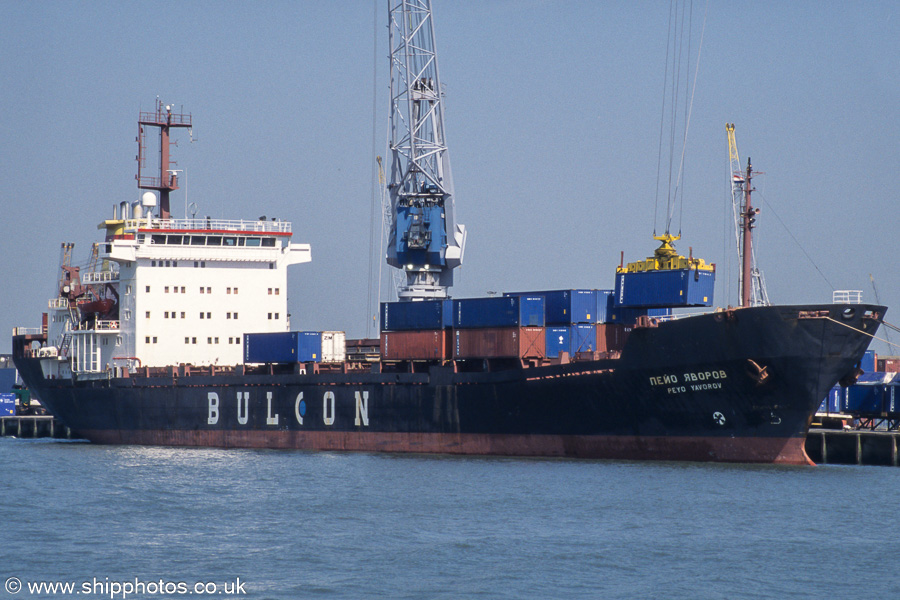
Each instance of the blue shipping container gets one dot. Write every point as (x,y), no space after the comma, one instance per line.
(572,339)
(605,301)
(557,341)
(867,363)
(413,316)
(505,311)
(7,405)
(892,399)
(584,338)
(309,346)
(283,347)
(832,402)
(564,307)
(275,347)
(7,379)
(680,287)
(864,399)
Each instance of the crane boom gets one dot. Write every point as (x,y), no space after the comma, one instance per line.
(425,241)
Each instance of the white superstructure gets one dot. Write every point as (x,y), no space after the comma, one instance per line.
(186,289)
(163,292)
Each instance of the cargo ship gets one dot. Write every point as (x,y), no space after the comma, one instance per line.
(177,333)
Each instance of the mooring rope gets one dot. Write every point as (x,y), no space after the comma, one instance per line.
(875,337)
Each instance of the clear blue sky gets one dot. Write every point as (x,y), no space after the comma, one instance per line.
(552,115)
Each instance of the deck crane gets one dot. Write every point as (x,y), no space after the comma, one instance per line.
(755,293)
(425,242)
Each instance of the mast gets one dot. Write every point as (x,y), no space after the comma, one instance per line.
(425,241)
(167,180)
(747,218)
(752,288)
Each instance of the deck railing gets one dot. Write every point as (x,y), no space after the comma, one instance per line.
(846,297)
(99,277)
(242,226)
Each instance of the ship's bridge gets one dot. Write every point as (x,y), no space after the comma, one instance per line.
(200,239)
(207,225)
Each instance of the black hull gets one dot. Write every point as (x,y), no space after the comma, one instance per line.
(737,386)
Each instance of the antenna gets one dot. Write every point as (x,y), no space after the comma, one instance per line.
(167,178)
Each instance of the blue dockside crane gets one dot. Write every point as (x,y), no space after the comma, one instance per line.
(425,241)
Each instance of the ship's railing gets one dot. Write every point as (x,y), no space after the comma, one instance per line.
(58,303)
(159,117)
(27,331)
(662,318)
(106,326)
(259,226)
(846,297)
(99,277)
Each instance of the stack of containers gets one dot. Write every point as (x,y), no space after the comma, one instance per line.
(500,327)
(571,317)
(581,320)
(284,347)
(416,330)
(612,325)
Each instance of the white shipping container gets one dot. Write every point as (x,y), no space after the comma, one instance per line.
(334,346)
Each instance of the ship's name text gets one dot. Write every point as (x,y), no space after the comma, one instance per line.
(703,380)
(299,406)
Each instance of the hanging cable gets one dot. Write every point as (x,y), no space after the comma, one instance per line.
(374,177)
(676,69)
(662,118)
(796,241)
(690,108)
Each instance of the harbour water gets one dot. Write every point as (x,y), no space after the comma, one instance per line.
(284,524)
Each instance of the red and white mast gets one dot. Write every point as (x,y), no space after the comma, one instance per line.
(752,288)
(166,180)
